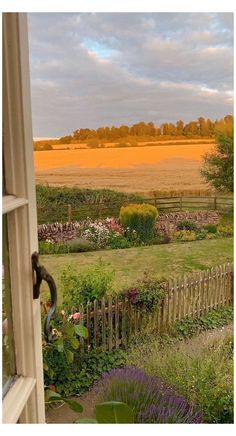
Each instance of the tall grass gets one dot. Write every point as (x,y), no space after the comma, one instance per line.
(204,375)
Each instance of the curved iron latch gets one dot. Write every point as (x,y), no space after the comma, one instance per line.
(42,274)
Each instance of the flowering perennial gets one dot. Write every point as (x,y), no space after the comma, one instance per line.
(150,398)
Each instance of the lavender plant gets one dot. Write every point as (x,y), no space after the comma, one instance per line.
(150,398)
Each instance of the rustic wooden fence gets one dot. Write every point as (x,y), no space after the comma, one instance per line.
(68,212)
(113,321)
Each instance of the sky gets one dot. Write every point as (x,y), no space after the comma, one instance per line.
(103,69)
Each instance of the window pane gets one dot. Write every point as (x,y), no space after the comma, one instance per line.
(8,357)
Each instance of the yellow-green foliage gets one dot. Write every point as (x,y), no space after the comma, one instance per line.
(139,217)
(185,235)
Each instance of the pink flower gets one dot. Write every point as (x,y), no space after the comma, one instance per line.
(5,327)
(76,316)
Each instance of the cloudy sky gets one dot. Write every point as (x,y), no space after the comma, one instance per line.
(104,69)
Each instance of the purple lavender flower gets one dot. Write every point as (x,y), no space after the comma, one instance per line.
(151,399)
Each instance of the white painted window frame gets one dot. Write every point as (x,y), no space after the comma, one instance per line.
(24,402)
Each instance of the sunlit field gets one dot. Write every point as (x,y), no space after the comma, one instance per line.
(126,169)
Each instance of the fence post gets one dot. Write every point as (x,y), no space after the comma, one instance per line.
(155,200)
(215,203)
(69,212)
(181,203)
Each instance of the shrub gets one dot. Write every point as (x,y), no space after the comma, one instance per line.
(186,225)
(117,241)
(80,245)
(210,228)
(74,378)
(151,400)
(141,218)
(146,295)
(93,282)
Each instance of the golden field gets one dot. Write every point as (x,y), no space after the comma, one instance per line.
(132,169)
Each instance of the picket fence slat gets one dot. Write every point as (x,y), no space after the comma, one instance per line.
(113,321)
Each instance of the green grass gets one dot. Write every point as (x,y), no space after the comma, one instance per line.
(130,264)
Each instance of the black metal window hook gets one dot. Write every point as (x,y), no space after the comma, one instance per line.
(40,274)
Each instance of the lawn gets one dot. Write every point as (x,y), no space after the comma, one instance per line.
(130,264)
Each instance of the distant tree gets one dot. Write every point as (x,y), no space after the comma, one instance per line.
(151,129)
(179,128)
(172,129)
(165,129)
(210,127)
(203,127)
(65,139)
(218,165)
(123,131)
(191,129)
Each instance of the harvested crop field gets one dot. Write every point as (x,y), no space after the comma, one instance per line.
(124,169)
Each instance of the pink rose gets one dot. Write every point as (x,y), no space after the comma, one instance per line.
(76,316)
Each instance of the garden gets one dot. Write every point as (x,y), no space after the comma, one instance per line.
(119,300)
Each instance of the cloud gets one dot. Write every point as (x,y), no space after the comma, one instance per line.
(93,69)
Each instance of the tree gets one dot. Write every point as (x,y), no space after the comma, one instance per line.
(202,127)
(218,165)
(179,128)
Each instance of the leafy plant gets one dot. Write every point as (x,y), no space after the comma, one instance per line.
(86,368)
(210,228)
(147,294)
(65,343)
(110,412)
(186,225)
(117,241)
(93,282)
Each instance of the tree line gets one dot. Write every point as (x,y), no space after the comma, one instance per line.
(200,128)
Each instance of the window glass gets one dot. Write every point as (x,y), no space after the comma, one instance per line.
(8,355)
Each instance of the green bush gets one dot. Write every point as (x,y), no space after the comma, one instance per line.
(186,225)
(93,282)
(73,378)
(141,218)
(80,245)
(210,228)
(147,294)
(117,241)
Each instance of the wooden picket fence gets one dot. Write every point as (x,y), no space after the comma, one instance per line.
(113,321)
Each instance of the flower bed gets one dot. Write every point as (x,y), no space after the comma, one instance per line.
(168,223)
(90,234)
